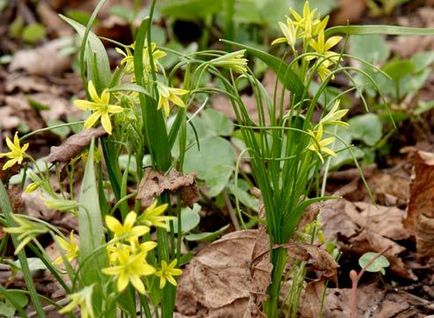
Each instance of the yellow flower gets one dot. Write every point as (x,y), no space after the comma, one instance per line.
(129,269)
(128,59)
(70,248)
(26,229)
(82,299)
(319,145)
(167,272)
(323,47)
(306,23)
(234,61)
(334,116)
(16,153)
(169,94)
(100,106)
(152,215)
(126,230)
(289,31)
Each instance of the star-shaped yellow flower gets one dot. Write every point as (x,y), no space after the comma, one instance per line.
(167,272)
(130,268)
(169,94)
(100,106)
(152,216)
(16,153)
(128,230)
(70,247)
(319,145)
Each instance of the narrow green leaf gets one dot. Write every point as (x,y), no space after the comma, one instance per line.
(286,75)
(154,126)
(90,223)
(94,47)
(377,29)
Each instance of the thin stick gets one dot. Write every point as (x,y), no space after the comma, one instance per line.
(355,278)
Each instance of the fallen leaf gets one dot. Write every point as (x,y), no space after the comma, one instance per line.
(72,146)
(361,227)
(218,277)
(383,220)
(372,301)
(30,60)
(154,184)
(420,211)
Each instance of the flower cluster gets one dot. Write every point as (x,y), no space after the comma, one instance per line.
(127,251)
(318,144)
(310,28)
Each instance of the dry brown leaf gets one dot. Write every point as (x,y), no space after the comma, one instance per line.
(390,188)
(260,273)
(336,223)
(154,184)
(367,229)
(368,241)
(420,212)
(218,282)
(383,220)
(372,301)
(20,108)
(31,60)
(72,146)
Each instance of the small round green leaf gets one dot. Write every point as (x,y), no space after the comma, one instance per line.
(377,265)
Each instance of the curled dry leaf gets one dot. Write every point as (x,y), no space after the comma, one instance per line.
(72,146)
(53,61)
(155,183)
(420,211)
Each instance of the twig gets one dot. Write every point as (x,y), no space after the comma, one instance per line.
(355,278)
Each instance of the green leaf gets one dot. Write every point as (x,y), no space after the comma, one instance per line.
(367,128)
(6,309)
(90,225)
(206,236)
(190,9)
(212,123)
(323,6)
(378,265)
(213,163)
(244,196)
(80,16)
(371,48)
(190,218)
(397,69)
(377,29)
(286,75)
(62,132)
(33,33)
(95,54)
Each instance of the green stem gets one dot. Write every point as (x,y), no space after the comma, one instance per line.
(278,259)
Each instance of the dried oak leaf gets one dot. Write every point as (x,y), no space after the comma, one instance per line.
(155,183)
(420,211)
(73,145)
(218,282)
